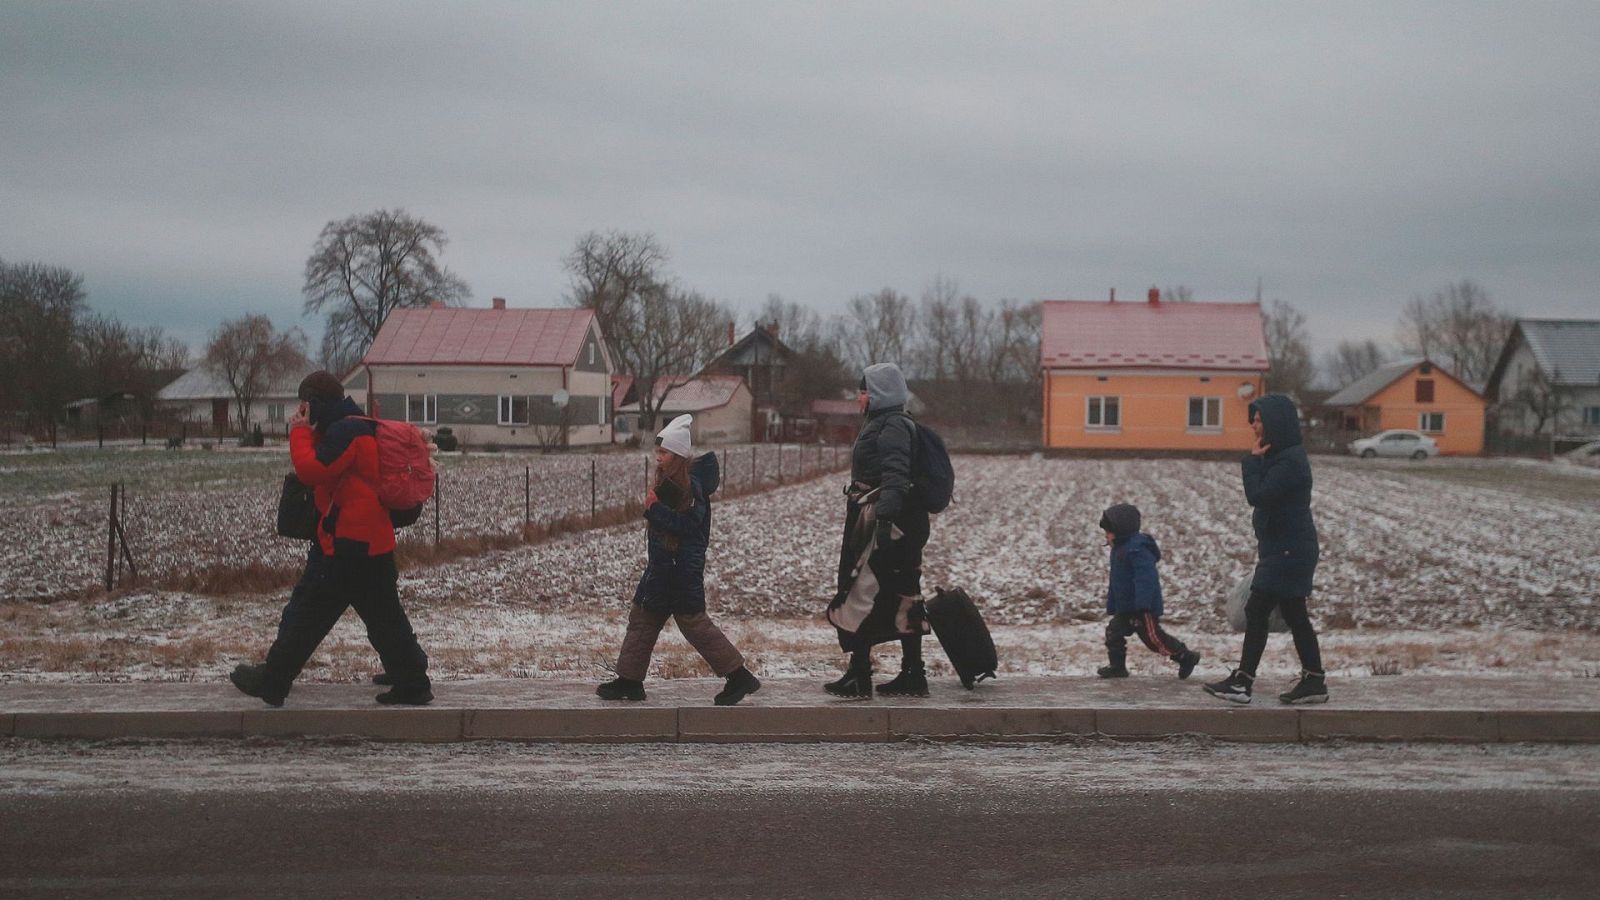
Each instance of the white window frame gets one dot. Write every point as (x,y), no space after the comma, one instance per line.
(275,412)
(1095,407)
(1422,422)
(1208,421)
(1591,415)
(430,409)
(507,408)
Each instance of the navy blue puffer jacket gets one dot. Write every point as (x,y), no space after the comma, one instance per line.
(674,580)
(1278,486)
(1135,584)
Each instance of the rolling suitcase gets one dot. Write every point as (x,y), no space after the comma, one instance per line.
(961,632)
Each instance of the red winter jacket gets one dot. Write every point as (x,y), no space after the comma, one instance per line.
(339,460)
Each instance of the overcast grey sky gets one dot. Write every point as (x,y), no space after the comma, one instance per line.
(184,156)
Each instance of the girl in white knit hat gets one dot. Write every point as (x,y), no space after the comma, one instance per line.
(678,508)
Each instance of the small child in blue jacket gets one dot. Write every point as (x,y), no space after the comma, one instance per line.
(1134,597)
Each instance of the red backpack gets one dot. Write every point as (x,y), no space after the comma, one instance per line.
(405,468)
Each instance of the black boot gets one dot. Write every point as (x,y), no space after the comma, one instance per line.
(1187,660)
(857,681)
(1235,688)
(1311,688)
(252,680)
(621,689)
(741,684)
(911,682)
(407,695)
(1118,665)
(383,679)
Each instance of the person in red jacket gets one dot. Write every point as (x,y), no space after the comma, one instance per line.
(351,564)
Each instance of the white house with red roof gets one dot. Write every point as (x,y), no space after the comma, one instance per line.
(509,377)
(721,406)
(1151,375)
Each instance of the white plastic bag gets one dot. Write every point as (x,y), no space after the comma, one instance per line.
(1236,604)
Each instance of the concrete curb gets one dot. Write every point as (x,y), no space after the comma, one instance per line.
(862,722)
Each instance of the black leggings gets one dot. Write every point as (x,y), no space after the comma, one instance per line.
(1256,613)
(910,655)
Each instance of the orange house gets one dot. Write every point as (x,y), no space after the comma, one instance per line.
(1151,375)
(1417,395)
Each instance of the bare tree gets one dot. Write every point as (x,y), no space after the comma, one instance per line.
(40,306)
(1353,360)
(1179,294)
(1542,397)
(655,330)
(1458,325)
(1288,349)
(251,356)
(1018,329)
(365,267)
(879,327)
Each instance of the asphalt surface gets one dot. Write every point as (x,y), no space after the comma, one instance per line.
(1095,818)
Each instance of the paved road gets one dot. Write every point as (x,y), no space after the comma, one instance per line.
(270,819)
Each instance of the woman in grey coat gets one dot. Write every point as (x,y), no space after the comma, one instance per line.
(1277,484)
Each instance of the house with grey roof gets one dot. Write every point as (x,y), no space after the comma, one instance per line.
(1547,379)
(203,399)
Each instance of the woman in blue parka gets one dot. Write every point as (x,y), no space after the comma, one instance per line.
(678,508)
(1277,484)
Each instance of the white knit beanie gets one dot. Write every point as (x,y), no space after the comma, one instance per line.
(675,437)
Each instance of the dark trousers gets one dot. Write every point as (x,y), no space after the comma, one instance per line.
(1256,612)
(1148,627)
(910,656)
(328,587)
(644,626)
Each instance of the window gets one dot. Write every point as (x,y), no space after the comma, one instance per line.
(1591,415)
(591,354)
(513,410)
(1399,436)
(274,412)
(422,408)
(1424,390)
(1205,412)
(1104,412)
(1433,423)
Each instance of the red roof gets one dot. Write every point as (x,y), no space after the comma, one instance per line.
(850,408)
(695,394)
(1143,335)
(504,337)
(620,386)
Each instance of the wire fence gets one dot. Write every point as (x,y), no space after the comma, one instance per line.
(205,521)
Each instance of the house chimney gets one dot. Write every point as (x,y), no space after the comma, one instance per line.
(773,329)
(1113,295)
(437,304)
(730,334)
(1155,295)
(499,303)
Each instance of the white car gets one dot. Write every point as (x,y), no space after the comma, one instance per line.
(1395,442)
(1587,455)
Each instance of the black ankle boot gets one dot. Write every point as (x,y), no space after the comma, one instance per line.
(855,685)
(621,689)
(407,695)
(909,683)
(741,684)
(252,680)
(1186,663)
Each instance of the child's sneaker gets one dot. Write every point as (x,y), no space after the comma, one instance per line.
(1112,671)
(1186,663)
(1311,688)
(620,688)
(1235,688)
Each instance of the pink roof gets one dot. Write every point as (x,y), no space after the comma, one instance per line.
(836,408)
(620,386)
(1103,335)
(693,395)
(488,337)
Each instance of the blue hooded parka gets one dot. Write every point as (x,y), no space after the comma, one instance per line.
(1278,485)
(674,580)
(1135,585)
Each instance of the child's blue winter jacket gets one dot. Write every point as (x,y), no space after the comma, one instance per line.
(1135,584)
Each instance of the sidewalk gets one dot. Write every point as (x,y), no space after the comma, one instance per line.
(1401,708)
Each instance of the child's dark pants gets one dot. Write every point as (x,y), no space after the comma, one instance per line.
(1148,627)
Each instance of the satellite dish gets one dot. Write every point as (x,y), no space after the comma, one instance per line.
(560,398)
(1246,391)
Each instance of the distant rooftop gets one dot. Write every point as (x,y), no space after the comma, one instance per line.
(1082,334)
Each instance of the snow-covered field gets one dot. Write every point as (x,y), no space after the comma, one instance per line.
(191,511)
(1441,567)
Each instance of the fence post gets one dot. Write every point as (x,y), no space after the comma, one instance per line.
(753,479)
(594,475)
(111,539)
(527,495)
(780,462)
(438,497)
